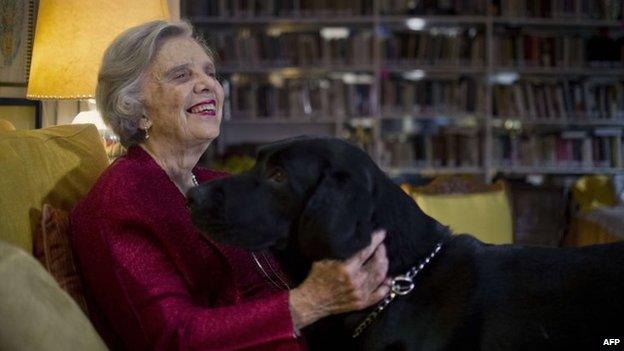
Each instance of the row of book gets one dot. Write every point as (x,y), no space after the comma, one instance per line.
(463,47)
(460,47)
(286,8)
(315,99)
(432,151)
(455,96)
(551,49)
(543,100)
(590,9)
(602,149)
(243,49)
(570,149)
(529,100)
(433,7)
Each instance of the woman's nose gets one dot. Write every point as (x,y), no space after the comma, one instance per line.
(204,83)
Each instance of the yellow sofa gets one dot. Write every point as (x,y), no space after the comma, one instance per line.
(55,165)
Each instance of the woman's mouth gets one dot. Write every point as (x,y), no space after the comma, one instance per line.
(204,108)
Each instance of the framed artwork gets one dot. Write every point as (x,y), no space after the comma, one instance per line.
(17,25)
(22,113)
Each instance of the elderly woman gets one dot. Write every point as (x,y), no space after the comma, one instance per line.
(153,281)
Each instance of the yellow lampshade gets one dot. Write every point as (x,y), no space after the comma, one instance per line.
(70,39)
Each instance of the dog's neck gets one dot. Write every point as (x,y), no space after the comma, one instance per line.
(297,267)
(411,234)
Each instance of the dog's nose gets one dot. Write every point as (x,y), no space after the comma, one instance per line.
(206,195)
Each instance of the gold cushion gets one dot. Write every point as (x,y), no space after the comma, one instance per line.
(593,191)
(55,165)
(485,215)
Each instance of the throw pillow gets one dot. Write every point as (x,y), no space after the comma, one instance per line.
(486,215)
(6,125)
(52,247)
(594,191)
(35,314)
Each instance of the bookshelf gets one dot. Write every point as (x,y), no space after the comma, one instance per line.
(430,87)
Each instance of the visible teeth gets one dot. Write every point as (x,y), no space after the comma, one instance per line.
(203,108)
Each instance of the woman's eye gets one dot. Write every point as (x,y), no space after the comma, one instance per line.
(180,75)
(278,175)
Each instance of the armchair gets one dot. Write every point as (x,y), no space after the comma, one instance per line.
(57,166)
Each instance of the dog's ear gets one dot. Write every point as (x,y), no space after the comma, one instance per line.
(336,221)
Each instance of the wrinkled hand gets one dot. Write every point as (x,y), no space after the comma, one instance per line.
(341,286)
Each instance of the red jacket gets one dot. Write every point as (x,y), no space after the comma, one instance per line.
(156,282)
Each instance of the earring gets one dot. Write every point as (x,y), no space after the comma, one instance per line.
(145,124)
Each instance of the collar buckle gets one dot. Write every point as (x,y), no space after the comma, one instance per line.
(402,285)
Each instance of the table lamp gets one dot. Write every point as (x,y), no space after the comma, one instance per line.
(70,39)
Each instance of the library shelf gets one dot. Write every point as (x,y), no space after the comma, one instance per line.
(397,53)
(430,171)
(559,170)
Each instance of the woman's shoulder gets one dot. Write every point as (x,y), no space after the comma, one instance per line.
(123,182)
(123,173)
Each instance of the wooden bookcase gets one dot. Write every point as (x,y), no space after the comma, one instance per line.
(481,86)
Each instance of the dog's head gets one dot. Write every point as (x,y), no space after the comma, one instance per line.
(309,195)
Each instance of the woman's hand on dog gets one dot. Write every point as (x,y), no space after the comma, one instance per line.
(341,286)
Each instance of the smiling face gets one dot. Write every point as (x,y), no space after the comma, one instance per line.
(183,100)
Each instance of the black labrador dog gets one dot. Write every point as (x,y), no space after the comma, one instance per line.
(312,198)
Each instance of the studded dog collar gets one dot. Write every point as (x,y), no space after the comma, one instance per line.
(401,286)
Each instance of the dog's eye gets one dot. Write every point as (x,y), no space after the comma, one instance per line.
(277,175)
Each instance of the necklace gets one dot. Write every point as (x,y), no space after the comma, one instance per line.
(194,180)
